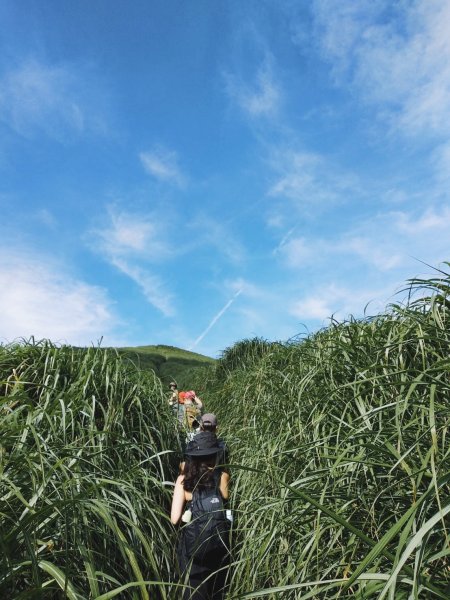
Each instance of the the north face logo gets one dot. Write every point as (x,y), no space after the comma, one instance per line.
(214,500)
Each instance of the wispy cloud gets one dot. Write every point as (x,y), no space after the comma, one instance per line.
(214,320)
(310,181)
(260,97)
(387,242)
(47,218)
(401,64)
(312,307)
(298,175)
(151,286)
(132,234)
(215,234)
(392,240)
(163,165)
(40,299)
(129,242)
(338,301)
(376,249)
(441,164)
(382,252)
(246,288)
(297,251)
(430,221)
(37,97)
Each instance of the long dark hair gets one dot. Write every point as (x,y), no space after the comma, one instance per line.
(199,472)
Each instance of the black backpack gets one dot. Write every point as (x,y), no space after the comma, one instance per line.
(208,532)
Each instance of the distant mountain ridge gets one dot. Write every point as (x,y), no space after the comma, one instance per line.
(168,362)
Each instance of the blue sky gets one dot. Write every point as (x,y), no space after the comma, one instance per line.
(196,173)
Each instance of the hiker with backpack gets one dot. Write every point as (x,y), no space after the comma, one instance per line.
(192,408)
(208,422)
(198,505)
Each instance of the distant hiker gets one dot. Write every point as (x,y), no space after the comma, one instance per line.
(180,413)
(192,408)
(208,422)
(198,502)
(173,397)
(176,401)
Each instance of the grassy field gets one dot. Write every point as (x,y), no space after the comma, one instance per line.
(340,453)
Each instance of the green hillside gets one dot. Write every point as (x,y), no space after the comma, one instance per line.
(168,362)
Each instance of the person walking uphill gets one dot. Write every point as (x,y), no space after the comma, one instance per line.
(208,422)
(198,502)
(192,407)
(174,401)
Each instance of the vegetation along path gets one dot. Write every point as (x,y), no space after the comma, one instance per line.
(340,454)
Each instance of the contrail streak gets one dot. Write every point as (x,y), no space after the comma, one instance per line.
(215,319)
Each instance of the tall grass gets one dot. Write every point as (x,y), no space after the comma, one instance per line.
(341,456)
(340,464)
(87,446)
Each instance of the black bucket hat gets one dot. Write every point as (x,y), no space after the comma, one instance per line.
(204,444)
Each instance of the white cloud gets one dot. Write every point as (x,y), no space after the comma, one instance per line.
(151,286)
(260,97)
(297,252)
(429,221)
(388,244)
(129,241)
(132,234)
(298,174)
(441,164)
(36,97)
(391,241)
(374,250)
(39,299)
(163,165)
(338,301)
(247,288)
(311,307)
(276,220)
(210,232)
(396,196)
(309,180)
(47,218)
(396,56)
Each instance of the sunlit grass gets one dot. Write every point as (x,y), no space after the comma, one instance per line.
(341,455)
(86,448)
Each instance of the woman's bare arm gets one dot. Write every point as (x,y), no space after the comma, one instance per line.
(178,501)
(223,486)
